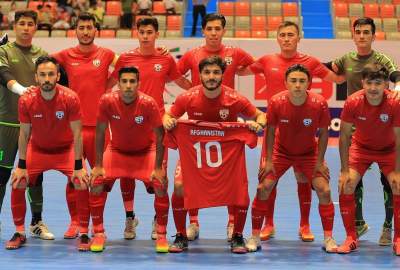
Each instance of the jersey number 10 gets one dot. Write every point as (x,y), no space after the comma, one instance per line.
(207,146)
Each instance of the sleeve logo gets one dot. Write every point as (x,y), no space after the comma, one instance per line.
(59,115)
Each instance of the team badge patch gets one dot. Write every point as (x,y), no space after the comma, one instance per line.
(224,113)
(307,122)
(157,67)
(139,119)
(96,62)
(228,60)
(384,117)
(59,115)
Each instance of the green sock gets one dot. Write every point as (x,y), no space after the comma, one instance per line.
(358,194)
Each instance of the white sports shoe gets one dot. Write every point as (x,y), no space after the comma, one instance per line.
(253,243)
(41,231)
(192,232)
(130,228)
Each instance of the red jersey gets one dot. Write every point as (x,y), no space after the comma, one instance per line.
(234,58)
(274,67)
(50,119)
(296,126)
(213,162)
(225,108)
(131,124)
(374,124)
(155,71)
(87,76)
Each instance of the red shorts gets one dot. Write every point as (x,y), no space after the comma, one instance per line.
(360,161)
(128,165)
(38,162)
(300,164)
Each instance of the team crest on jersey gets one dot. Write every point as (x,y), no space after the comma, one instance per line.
(228,60)
(224,113)
(139,119)
(96,62)
(307,122)
(59,115)
(384,117)
(157,67)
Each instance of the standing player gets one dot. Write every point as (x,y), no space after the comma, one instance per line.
(47,111)
(134,152)
(155,67)
(351,64)
(81,63)
(17,71)
(273,67)
(236,59)
(294,116)
(373,106)
(211,102)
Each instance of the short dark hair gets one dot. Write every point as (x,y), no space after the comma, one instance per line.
(365,21)
(46,59)
(144,21)
(25,13)
(287,24)
(213,17)
(375,71)
(85,16)
(133,70)
(297,67)
(212,60)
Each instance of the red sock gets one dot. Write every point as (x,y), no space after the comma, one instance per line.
(161,205)
(128,193)
(396,217)
(347,210)
(258,211)
(304,193)
(97,203)
(194,216)
(231,214)
(240,219)
(179,214)
(18,208)
(269,215)
(71,202)
(327,213)
(82,204)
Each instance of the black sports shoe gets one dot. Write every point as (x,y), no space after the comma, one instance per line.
(180,244)
(238,245)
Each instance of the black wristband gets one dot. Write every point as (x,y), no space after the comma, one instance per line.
(78,164)
(22,163)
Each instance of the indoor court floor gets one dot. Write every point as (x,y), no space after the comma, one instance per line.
(211,251)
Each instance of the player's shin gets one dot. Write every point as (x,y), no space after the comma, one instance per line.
(240,219)
(347,210)
(82,204)
(128,192)
(304,193)
(179,213)
(97,202)
(396,219)
(258,211)
(18,208)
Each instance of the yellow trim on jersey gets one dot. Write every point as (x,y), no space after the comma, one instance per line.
(9,124)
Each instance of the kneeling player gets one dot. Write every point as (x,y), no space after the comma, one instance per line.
(134,152)
(294,117)
(376,117)
(210,102)
(49,139)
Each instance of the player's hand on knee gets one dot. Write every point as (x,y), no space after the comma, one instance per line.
(344,178)
(19,179)
(265,170)
(170,123)
(160,176)
(254,126)
(80,179)
(394,178)
(322,169)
